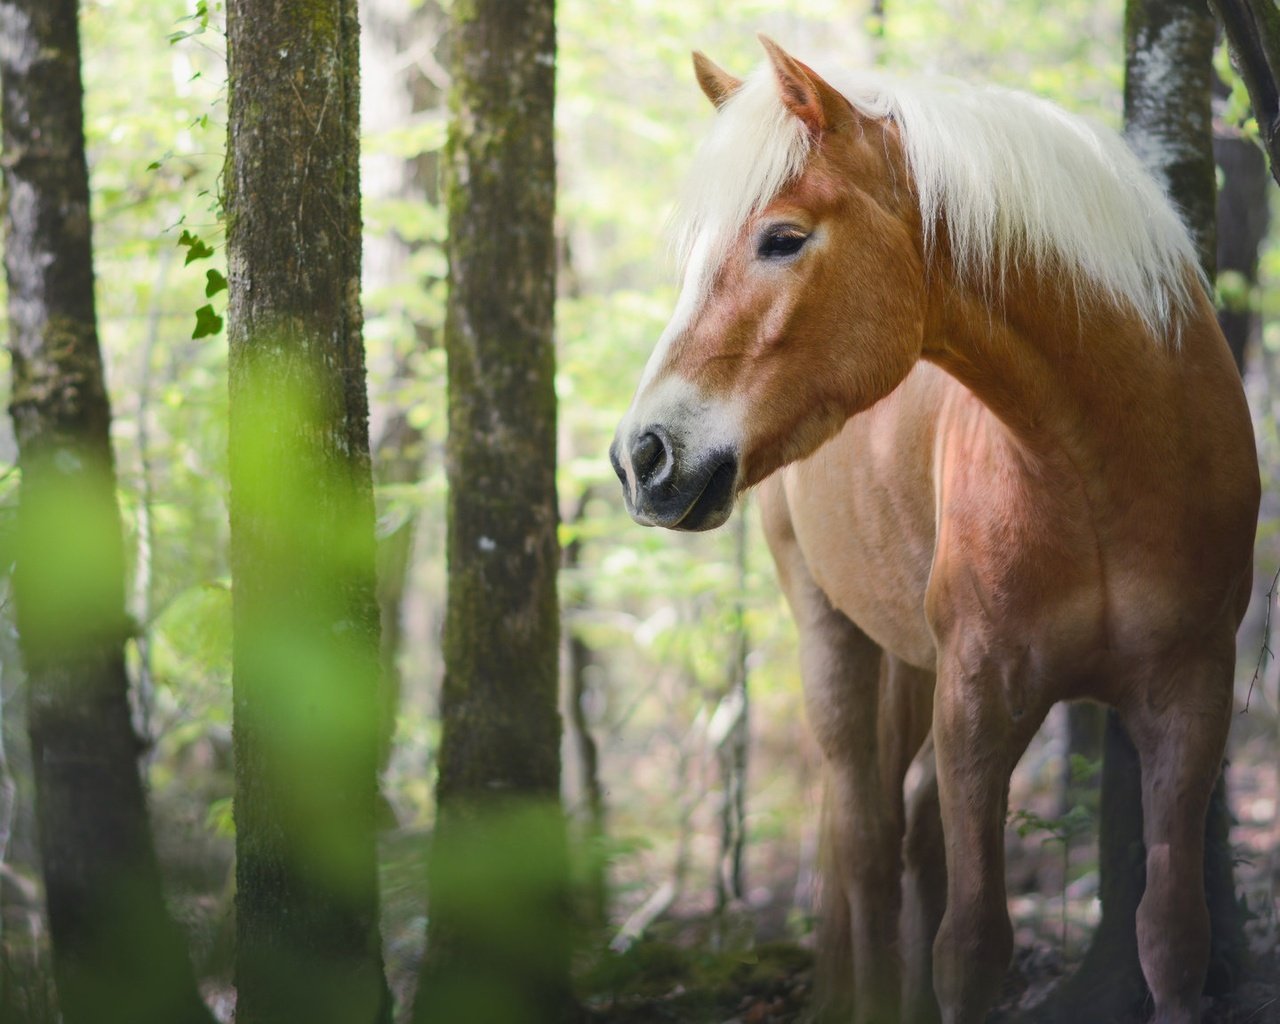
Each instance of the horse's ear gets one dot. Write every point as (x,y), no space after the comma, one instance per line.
(716,82)
(804,92)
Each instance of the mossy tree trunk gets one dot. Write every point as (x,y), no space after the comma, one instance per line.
(302,544)
(118,957)
(497,943)
(1168,122)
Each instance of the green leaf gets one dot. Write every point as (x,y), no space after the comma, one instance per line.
(221,818)
(214,283)
(197,248)
(198,251)
(1084,769)
(208,323)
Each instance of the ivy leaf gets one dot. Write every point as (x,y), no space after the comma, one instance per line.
(214,283)
(208,323)
(197,248)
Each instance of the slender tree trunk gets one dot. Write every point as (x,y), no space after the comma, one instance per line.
(733,746)
(1168,121)
(117,955)
(1108,985)
(1243,219)
(305,614)
(400,459)
(592,829)
(587,806)
(497,943)
(1086,724)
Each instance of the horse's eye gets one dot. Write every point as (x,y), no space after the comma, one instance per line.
(781,241)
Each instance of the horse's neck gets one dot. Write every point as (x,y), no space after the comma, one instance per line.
(1081,379)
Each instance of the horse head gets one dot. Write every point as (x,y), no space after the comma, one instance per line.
(803,297)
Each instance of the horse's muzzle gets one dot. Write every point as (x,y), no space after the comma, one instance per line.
(666,488)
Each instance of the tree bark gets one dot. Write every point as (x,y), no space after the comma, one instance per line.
(305,651)
(1253,32)
(497,943)
(1168,117)
(118,957)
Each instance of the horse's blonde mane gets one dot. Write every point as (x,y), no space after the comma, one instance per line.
(1018,180)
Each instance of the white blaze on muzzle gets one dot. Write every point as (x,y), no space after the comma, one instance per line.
(665,399)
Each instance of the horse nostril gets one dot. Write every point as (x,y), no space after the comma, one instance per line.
(648,455)
(616,463)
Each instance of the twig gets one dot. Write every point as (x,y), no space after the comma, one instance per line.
(670,891)
(1266,651)
(638,923)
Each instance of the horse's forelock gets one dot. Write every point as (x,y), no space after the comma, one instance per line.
(754,148)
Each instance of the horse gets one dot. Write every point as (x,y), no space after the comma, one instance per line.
(958,339)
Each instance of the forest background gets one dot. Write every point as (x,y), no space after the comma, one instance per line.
(661,631)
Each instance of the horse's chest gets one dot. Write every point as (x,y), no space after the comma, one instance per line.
(955,541)
(869,548)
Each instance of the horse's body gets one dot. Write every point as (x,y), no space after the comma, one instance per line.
(988,485)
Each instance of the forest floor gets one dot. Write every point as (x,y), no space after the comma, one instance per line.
(756,965)
(672,977)
(774,984)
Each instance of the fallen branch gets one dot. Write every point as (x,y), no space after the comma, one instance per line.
(648,912)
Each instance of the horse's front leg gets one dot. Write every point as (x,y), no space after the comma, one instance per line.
(924,888)
(861,816)
(862,830)
(1179,727)
(910,786)
(977,741)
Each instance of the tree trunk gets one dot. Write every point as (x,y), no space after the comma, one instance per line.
(1243,219)
(1168,122)
(1086,725)
(1253,31)
(1108,985)
(305,652)
(1168,89)
(117,955)
(587,807)
(497,942)
(732,747)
